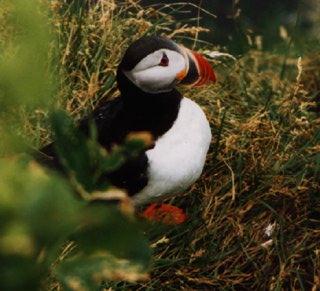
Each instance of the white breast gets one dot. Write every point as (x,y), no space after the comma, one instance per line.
(178,157)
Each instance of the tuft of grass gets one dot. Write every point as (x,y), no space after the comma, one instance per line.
(262,168)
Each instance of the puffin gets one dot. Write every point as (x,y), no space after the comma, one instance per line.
(147,76)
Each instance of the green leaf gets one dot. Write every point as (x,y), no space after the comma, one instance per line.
(88,272)
(79,155)
(111,247)
(45,204)
(37,211)
(20,273)
(107,229)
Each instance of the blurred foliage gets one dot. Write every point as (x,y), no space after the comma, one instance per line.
(39,210)
(110,247)
(25,80)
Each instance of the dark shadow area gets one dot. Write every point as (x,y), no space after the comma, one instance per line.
(238,23)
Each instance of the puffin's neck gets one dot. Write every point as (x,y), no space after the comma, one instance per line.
(151,112)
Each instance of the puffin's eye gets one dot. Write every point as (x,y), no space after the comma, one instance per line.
(164,61)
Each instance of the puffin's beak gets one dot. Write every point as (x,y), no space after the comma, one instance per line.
(199,72)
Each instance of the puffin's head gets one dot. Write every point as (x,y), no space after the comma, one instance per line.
(157,64)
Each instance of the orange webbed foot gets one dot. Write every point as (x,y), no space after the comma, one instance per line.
(165,213)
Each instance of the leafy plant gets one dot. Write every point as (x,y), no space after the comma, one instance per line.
(40,210)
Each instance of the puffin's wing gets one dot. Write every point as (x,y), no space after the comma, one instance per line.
(105,117)
(112,127)
(108,121)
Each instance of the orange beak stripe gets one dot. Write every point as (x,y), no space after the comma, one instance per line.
(205,70)
(181,75)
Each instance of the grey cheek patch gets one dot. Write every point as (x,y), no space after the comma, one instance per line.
(129,75)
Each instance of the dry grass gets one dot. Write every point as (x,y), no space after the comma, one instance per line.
(262,169)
